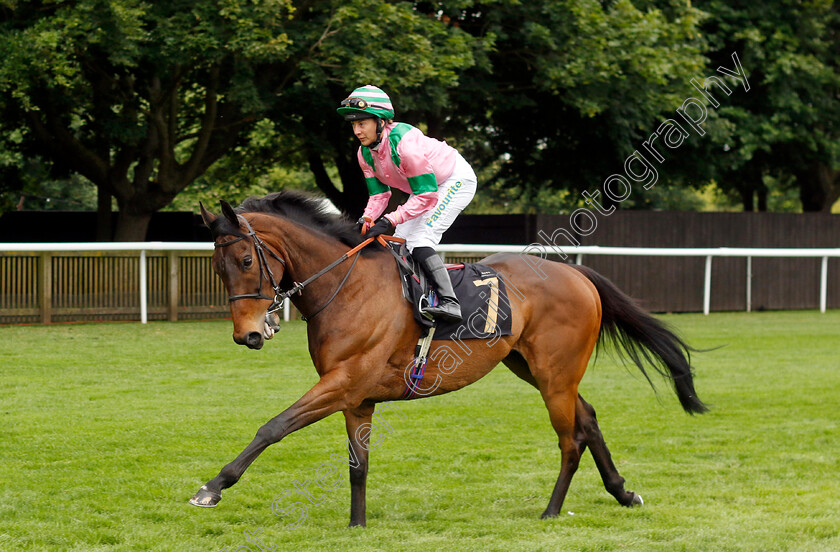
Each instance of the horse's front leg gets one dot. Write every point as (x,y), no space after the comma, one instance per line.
(325,398)
(358,434)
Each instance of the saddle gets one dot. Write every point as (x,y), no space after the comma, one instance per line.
(480,290)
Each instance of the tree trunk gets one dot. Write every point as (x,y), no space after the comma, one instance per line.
(132,227)
(819,187)
(762,198)
(103,215)
(747,199)
(323,180)
(353,198)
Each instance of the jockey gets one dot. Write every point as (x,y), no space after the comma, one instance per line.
(440,184)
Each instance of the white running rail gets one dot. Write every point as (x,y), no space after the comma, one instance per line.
(578,252)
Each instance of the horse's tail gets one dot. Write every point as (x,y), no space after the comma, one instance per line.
(645,340)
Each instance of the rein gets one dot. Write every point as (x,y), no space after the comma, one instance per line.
(279,295)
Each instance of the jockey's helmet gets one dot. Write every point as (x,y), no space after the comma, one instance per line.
(366,102)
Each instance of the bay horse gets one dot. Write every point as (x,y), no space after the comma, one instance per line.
(362,335)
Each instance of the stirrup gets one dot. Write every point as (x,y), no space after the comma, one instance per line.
(443,311)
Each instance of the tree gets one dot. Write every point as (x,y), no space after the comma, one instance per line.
(788,127)
(548,93)
(570,88)
(143,98)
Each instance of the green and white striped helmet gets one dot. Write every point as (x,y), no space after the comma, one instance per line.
(366,102)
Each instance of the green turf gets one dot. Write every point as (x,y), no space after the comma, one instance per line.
(108,429)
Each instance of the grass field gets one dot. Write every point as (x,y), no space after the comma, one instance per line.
(108,429)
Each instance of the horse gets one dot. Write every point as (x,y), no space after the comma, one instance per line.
(362,335)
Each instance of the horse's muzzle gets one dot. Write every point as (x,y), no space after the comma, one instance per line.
(254,340)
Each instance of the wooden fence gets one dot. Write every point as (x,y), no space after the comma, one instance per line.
(104,285)
(671,283)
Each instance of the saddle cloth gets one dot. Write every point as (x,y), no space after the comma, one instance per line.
(485,307)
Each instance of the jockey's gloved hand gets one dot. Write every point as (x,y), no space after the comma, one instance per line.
(382,226)
(363,224)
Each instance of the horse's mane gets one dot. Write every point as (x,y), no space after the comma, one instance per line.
(308,210)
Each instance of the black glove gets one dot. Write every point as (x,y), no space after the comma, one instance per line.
(363,224)
(382,226)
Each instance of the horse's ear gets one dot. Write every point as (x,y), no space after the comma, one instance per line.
(228,212)
(206,215)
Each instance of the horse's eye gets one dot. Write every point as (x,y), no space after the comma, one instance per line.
(247,262)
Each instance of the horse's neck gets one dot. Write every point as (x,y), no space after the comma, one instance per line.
(307,252)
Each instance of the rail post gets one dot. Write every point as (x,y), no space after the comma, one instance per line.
(144,308)
(173,285)
(45,287)
(749,284)
(823,283)
(707,285)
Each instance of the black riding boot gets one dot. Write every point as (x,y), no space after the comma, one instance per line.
(448,309)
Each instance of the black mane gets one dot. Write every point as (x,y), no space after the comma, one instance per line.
(307,210)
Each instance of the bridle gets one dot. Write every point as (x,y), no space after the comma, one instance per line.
(265,271)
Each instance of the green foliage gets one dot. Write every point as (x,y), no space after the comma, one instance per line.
(390,43)
(546,98)
(570,88)
(139,98)
(255,167)
(144,98)
(32,182)
(785,129)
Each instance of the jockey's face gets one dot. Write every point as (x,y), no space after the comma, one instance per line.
(365,130)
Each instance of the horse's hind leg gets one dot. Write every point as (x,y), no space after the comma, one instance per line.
(561,409)
(562,406)
(588,432)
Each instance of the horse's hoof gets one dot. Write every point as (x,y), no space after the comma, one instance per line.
(637,500)
(205,498)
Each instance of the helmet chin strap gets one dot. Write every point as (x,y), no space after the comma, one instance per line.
(380,125)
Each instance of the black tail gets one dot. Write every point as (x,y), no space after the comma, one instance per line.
(645,340)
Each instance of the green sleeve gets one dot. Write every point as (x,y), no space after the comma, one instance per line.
(422,184)
(374,186)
